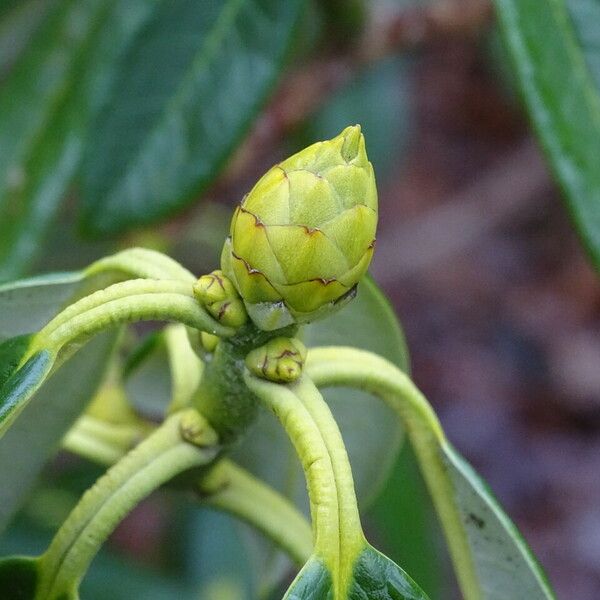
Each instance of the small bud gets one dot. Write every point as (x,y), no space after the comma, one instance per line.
(279,360)
(305,234)
(209,341)
(220,298)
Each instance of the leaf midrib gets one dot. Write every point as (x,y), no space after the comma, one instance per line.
(229,13)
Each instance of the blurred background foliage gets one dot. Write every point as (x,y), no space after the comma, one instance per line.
(143,121)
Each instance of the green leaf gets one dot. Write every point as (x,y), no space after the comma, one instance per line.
(45,107)
(20,383)
(28,304)
(188,90)
(504,563)
(554,48)
(18,578)
(34,437)
(374,576)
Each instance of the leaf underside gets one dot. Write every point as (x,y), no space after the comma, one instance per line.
(505,566)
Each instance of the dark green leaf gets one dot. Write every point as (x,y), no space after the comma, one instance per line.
(45,107)
(18,578)
(188,90)
(312,583)
(22,383)
(554,47)
(34,437)
(11,353)
(375,577)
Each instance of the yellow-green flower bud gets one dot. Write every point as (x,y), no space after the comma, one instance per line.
(221,299)
(209,341)
(280,360)
(304,236)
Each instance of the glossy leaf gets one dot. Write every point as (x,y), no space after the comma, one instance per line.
(554,48)
(36,434)
(18,578)
(188,90)
(20,382)
(374,577)
(45,107)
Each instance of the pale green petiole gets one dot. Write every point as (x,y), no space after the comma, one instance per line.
(185,367)
(125,302)
(311,428)
(141,262)
(233,490)
(164,454)
(225,486)
(344,366)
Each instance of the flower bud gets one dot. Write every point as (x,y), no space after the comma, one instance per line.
(304,236)
(220,298)
(280,360)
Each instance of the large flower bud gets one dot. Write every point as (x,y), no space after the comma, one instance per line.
(304,236)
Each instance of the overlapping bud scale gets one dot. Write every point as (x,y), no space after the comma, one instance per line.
(304,235)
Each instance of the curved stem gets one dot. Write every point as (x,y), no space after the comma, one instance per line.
(185,366)
(141,262)
(226,486)
(311,428)
(101,442)
(126,302)
(232,489)
(157,459)
(341,366)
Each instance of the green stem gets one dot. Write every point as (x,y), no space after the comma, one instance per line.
(140,262)
(101,442)
(223,397)
(232,489)
(315,436)
(125,302)
(341,366)
(185,366)
(226,486)
(157,459)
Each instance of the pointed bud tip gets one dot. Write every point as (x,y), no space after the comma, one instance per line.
(353,141)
